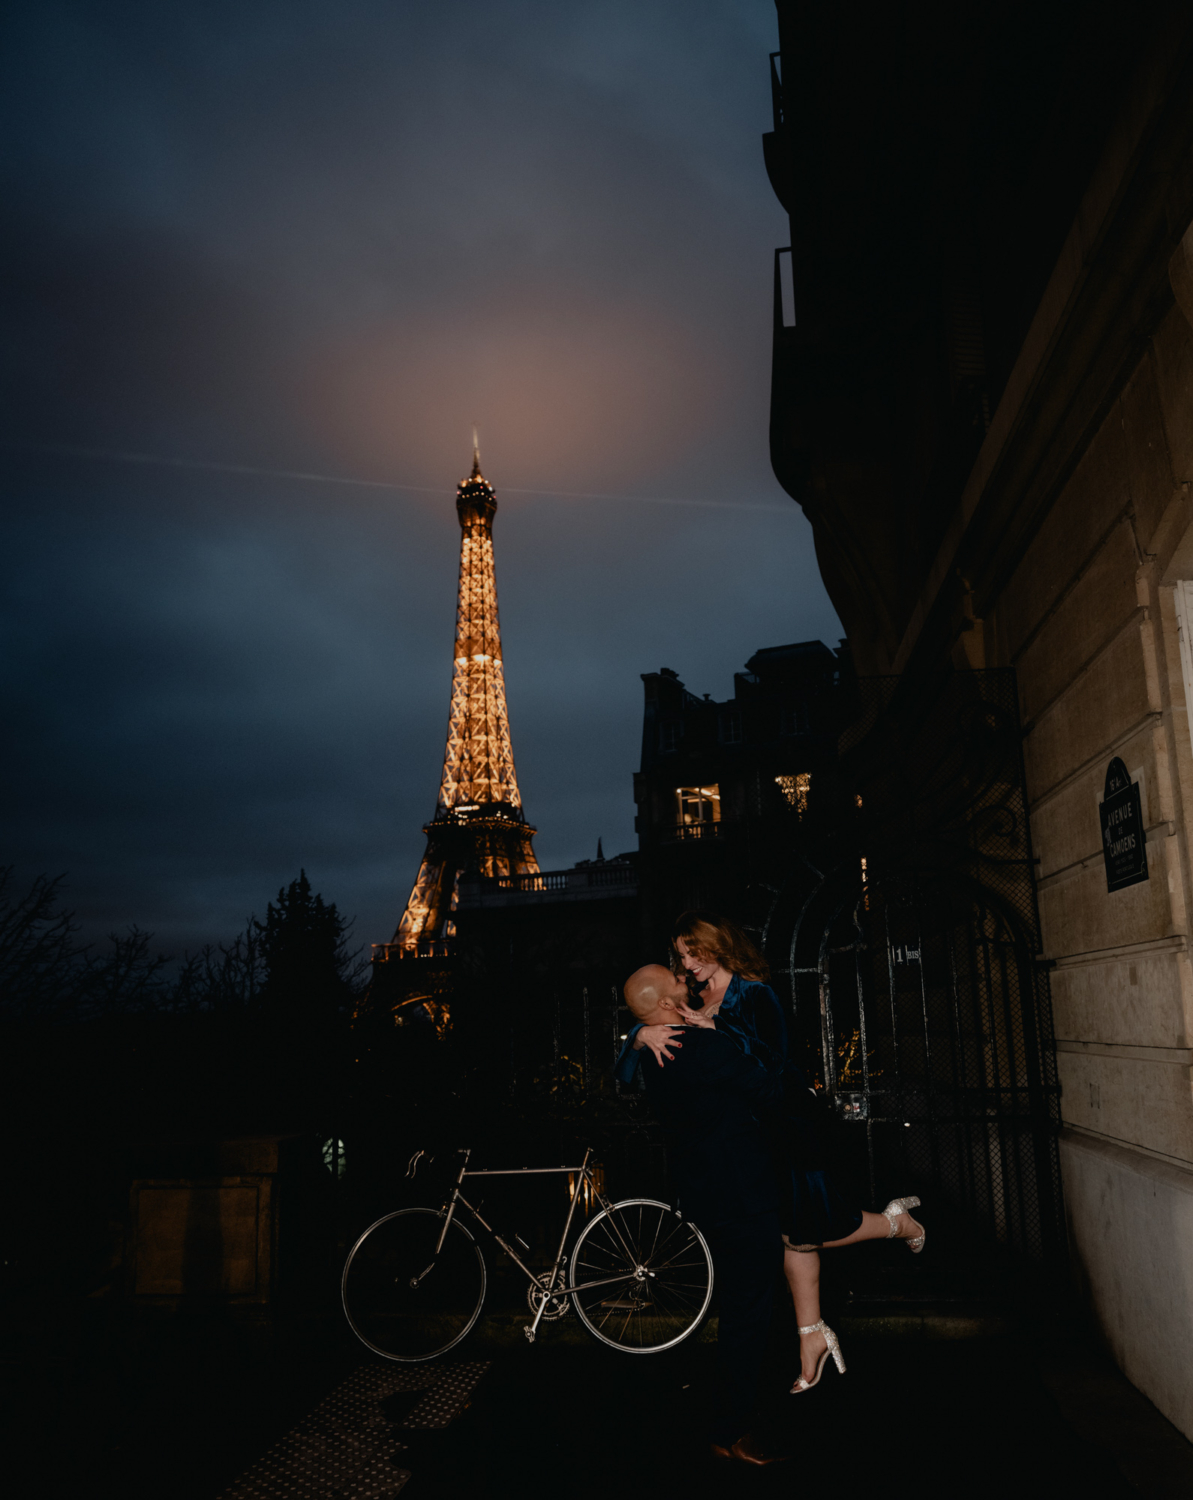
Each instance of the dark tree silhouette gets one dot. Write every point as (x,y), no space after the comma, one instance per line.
(38,952)
(297,961)
(223,977)
(303,944)
(45,974)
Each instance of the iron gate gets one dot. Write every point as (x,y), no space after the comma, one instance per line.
(919,1001)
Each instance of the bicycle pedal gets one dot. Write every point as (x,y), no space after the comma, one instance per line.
(529,1332)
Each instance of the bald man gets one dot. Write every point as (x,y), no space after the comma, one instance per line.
(707,1099)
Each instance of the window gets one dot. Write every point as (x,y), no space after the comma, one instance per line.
(699,804)
(796,719)
(730,727)
(670,734)
(795,789)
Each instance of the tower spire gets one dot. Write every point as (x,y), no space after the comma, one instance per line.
(479,823)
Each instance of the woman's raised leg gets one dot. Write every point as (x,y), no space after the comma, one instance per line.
(878,1227)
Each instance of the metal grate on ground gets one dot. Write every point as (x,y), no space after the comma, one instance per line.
(348,1449)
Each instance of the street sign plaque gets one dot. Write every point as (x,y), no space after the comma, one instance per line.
(1124,846)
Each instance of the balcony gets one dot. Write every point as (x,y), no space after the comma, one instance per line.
(571,880)
(429,948)
(683,832)
(593,882)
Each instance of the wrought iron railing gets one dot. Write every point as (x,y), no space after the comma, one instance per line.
(707,830)
(429,948)
(570,880)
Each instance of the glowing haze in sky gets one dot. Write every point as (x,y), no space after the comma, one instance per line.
(304,238)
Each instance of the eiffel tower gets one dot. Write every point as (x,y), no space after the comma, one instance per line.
(479,823)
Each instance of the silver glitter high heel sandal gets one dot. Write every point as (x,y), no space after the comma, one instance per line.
(832,1347)
(892,1211)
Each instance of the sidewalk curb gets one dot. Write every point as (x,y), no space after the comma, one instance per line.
(925,1325)
(505,1330)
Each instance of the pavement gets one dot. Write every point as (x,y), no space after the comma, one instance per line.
(928,1414)
(941,1398)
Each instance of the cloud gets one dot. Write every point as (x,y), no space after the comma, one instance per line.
(308,238)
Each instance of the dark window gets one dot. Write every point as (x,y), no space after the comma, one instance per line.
(670,734)
(730,727)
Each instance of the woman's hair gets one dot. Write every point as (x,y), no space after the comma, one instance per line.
(716,939)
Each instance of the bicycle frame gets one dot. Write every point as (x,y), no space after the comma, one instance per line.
(552,1285)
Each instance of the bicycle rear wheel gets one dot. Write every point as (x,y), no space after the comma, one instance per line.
(404,1301)
(641,1276)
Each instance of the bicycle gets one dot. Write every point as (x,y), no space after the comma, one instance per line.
(641,1276)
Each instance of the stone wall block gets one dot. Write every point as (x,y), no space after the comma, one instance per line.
(1185,969)
(1172,347)
(1098,491)
(1100,602)
(1139,1280)
(1149,468)
(1143,1102)
(1152,655)
(1110,696)
(1065,829)
(1079,915)
(1177,734)
(1139,999)
(1174,681)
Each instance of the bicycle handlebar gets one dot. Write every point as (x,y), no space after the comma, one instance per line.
(412,1164)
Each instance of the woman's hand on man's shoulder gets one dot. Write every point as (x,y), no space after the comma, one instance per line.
(694,1017)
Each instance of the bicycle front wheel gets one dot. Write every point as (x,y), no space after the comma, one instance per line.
(641,1276)
(401,1298)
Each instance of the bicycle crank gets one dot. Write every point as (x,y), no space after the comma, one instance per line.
(557,1306)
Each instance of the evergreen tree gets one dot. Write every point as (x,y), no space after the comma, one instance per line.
(303,945)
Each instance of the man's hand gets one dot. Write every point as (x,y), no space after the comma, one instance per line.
(658,1039)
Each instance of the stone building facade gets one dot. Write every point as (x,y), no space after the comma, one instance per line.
(1091,621)
(983,398)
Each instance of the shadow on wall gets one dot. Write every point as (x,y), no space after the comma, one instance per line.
(1106,1186)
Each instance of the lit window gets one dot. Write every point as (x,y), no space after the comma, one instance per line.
(699,804)
(333,1157)
(795,789)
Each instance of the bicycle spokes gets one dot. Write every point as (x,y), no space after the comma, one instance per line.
(641,1276)
(404,1300)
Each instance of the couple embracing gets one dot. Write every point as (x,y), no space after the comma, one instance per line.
(745,1158)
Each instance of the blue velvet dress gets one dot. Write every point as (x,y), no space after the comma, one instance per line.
(812,1210)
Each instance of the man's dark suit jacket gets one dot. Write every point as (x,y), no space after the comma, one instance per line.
(707,1098)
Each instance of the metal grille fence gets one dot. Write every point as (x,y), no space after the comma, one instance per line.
(910,941)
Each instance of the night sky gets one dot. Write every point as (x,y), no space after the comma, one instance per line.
(327,239)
